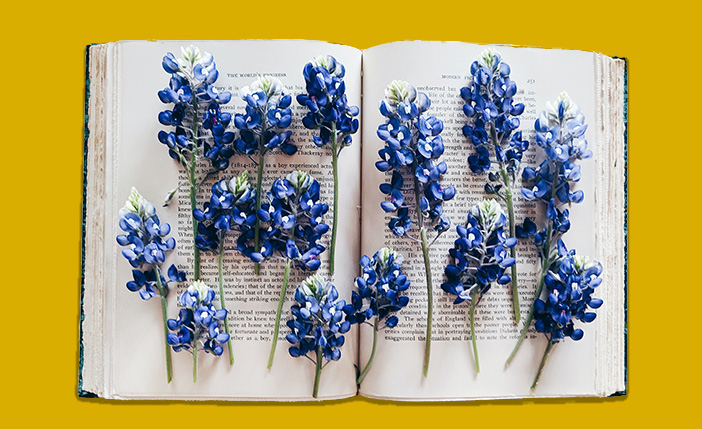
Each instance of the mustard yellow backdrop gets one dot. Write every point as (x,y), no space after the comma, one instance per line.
(41,90)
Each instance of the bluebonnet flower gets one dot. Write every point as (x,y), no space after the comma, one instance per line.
(413,146)
(262,128)
(568,297)
(317,324)
(493,118)
(200,126)
(380,295)
(293,223)
(197,325)
(479,258)
(560,131)
(330,113)
(230,208)
(146,243)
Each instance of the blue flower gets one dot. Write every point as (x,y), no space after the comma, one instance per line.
(412,140)
(326,102)
(292,220)
(198,324)
(492,114)
(146,244)
(380,289)
(479,256)
(316,324)
(191,90)
(268,115)
(568,297)
(231,207)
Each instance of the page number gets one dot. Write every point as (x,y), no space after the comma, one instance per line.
(530,81)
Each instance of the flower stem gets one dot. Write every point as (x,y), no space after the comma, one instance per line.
(473,303)
(284,289)
(317,372)
(543,363)
(257,227)
(335,157)
(370,360)
(164,310)
(222,303)
(430,301)
(512,251)
(193,192)
(546,258)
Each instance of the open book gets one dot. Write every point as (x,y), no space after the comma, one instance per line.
(122,337)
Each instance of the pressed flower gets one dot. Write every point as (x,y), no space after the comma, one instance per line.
(146,243)
(317,325)
(560,134)
(197,325)
(493,118)
(479,259)
(199,125)
(292,225)
(263,127)
(413,146)
(329,112)
(379,296)
(230,208)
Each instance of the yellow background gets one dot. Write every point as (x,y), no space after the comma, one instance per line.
(42,118)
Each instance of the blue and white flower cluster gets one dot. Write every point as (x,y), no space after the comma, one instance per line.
(382,285)
(560,133)
(268,115)
(293,220)
(317,320)
(479,256)
(146,245)
(197,107)
(569,297)
(412,140)
(198,322)
(493,115)
(231,207)
(326,101)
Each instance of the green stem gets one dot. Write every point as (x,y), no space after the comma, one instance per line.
(544,270)
(530,316)
(335,157)
(430,301)
(512,251)
(164,311)
(473,303)
(259,183)
(193,192)
(543,363)
(370,360)
(317,372)
(222,302)
(280,310)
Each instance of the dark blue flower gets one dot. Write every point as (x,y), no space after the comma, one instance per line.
(231,207)
(479,256)
(412,140)
(146,244)
(316,324)
(198,324)
(380,289)
(292,223)
(191,90)
(568,297)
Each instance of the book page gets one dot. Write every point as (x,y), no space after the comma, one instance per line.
(136,345)
(440,70)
